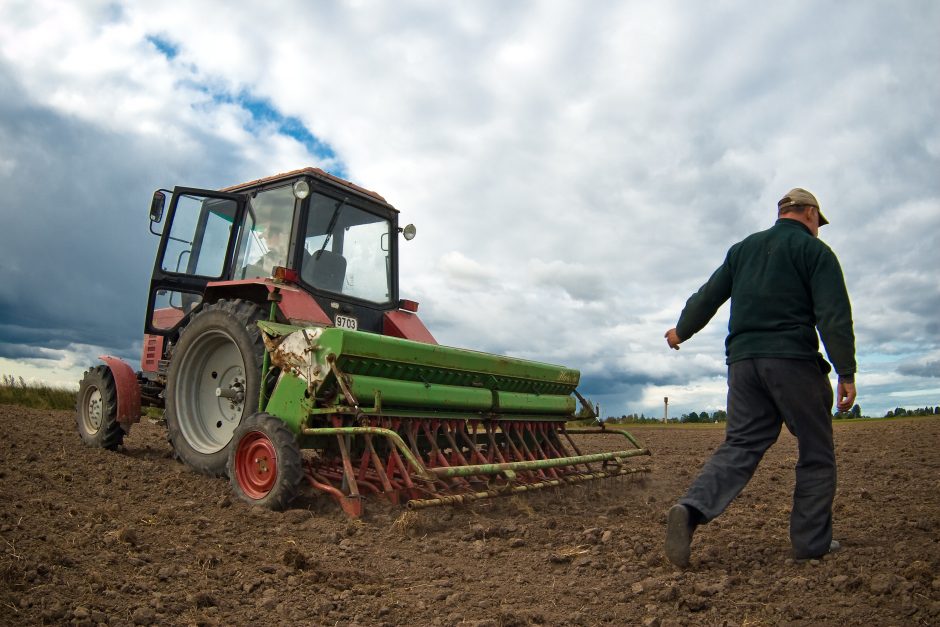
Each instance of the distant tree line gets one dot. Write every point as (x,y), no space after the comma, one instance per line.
(703,416)
(920,411)
(584,415)
(855,412)
(631,419)
(722,416)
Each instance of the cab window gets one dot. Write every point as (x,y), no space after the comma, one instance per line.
(265,240)
(346,250)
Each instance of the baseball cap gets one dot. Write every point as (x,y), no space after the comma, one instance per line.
(799,196)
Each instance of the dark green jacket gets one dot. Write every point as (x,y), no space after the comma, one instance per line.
(783,284)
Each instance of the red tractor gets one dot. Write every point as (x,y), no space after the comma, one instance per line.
(274,325)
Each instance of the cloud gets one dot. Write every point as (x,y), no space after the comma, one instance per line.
(465,271)
(922,369)
(574,174)
(578,281)
(28,352)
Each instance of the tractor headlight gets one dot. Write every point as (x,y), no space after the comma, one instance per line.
(301,189)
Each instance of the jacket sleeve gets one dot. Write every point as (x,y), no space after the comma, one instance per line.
(833,311)
(702,305)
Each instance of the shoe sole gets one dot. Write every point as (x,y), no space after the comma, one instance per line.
(678,536)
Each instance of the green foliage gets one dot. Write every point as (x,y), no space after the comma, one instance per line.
(15,391)
(704,416)
(855,412)
(701,417)
(632,419)
(899,412)
(722,416)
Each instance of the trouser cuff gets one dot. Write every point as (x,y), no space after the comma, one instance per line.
(696,516)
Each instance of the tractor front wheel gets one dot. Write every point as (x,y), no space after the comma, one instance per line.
(213,382)
(96,410)
(265,466)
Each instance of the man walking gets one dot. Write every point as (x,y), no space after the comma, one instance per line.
(784,284)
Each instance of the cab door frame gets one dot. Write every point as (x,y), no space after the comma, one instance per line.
(185,282)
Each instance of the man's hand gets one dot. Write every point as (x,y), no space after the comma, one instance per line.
(672,338)
(845,396)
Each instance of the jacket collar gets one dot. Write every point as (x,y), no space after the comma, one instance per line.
(789,222)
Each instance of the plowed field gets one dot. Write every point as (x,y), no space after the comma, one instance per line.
(92,537)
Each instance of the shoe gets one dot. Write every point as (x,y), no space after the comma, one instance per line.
(833,547)
(679,530)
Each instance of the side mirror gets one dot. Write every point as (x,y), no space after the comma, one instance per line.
(157,205)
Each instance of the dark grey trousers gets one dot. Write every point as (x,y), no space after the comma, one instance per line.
(763,394)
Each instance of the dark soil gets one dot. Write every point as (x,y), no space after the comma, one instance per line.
(93,537)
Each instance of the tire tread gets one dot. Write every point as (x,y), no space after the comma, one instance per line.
(246,314)
(111,434)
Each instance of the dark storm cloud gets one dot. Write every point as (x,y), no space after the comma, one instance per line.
(925,369)
(24,351)
(614,395)
(627,384)
(37,335)
(76,250)
(72,269)
(624,392)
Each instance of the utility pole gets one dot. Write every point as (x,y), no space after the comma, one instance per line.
(665,409)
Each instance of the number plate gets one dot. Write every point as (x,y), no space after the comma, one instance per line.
(346,322)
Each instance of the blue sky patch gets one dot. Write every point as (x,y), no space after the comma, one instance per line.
(264,113)
(165,46)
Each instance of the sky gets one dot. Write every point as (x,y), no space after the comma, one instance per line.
(575,170)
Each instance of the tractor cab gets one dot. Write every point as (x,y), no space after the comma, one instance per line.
(334,240)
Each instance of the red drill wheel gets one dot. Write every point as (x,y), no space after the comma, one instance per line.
(256,464)
(265,467)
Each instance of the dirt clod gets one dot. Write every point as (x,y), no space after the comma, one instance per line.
(294,559)
(143,615)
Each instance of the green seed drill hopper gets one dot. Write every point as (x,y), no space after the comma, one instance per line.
(417,423)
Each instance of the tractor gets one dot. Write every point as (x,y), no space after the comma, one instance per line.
(277,346)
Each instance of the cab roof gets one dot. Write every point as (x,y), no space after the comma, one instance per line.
(316,173)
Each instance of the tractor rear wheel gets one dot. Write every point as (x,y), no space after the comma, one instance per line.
(96,409)
(213,382)
(265,466)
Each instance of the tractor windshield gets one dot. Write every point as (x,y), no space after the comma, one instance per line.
(346,250)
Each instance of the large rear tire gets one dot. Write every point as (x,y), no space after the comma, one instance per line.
(265,466)
(96,410)
(213,382)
